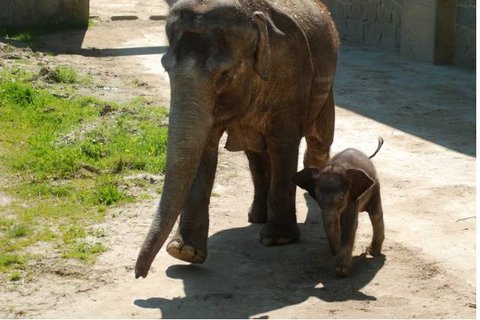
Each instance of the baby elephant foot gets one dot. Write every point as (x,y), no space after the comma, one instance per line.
(177,248)
(275,235)
(375,249)
(343,267)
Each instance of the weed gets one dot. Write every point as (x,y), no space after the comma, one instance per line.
(9,259)
(65,75)
(92,23)
(18,231)
(15,276)
(107,192)
(25,37)
(98,233)
(72,233)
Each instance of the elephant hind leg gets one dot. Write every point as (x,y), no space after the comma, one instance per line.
(320,136)
(375,212)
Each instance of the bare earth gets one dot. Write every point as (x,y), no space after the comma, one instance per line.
(426,115)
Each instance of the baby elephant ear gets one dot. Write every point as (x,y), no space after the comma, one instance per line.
(360,182)
(306,178)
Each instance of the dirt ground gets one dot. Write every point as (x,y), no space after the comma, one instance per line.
(426,115)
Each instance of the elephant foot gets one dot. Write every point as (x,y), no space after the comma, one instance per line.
(375,252)
(257,214)
(375,249)
(343,271)
(343,266)
(177,248)
(276,235)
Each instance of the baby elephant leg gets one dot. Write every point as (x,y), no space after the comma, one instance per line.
(349,223)
(375,212)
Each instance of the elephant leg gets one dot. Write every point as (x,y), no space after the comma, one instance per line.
(190,241)
(320,137)
(282,220)
(375,212)
(259,163)
(348,224)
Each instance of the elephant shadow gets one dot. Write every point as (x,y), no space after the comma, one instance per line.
(241,278)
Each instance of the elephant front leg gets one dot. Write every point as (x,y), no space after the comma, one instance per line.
(259,163)
(348,223)
(282,220)
(190,242)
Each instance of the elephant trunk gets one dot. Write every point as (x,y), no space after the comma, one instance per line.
(190,123)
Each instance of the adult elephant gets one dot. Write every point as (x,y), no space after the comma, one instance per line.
(262,71)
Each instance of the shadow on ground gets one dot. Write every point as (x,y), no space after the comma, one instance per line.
(241,278)
(435,103)
(70,42)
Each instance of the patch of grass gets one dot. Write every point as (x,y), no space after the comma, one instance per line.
(108,193)
(65,75)
(84,251)
(92,23)
(69,157)
(15,276)
(8,260)
(25,37)
(72,233)
(18,231)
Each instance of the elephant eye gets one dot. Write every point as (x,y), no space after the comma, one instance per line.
(224,75)
(223,80)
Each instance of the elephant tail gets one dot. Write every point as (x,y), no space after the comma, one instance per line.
(380,144)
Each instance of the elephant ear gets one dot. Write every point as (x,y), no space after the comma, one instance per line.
(262,52)
(360,182)
(290,39)
(171,2)
(306,179)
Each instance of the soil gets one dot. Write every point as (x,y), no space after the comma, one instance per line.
(426,115)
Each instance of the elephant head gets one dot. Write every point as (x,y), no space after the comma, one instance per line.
(218,55)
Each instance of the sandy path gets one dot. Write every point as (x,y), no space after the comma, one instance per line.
(426,115)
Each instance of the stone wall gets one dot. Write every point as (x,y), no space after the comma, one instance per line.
(29,13)
(373,22)
(464,47)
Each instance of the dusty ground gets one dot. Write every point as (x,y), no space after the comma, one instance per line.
(426,115)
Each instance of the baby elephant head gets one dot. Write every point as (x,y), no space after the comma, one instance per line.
(334,190)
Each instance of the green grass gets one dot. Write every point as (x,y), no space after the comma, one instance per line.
(15,276)
(8,260)
(92,23)
(25,36)
(67,159)
(65,75)
(83,251)
(29,35)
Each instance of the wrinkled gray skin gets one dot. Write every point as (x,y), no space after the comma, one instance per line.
(346,186)
(249,68)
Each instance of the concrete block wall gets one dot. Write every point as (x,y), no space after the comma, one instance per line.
(373,22)
(464,44)
(29,13)
(433,31)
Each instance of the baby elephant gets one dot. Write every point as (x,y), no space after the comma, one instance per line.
(347,185)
